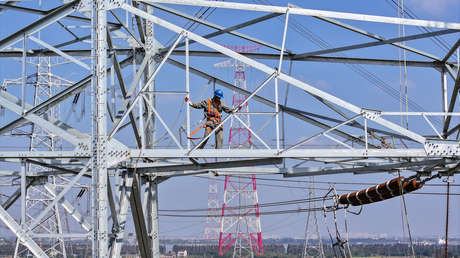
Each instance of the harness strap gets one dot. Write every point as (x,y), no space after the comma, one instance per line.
(216,116)
(216,113)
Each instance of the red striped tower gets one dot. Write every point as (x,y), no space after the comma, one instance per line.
(240,223)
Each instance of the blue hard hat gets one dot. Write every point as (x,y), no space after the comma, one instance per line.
(219,93)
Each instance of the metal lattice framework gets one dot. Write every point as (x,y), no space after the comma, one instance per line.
(122,146)
(243,230)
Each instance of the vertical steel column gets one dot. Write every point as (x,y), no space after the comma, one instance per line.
(139,218)
(283,43)
(99,130)
(119,233)
(148,211)
(444,92)
(23,193)
(144,119)
(24,74)
(150,123)
(276,80)
(277,110)
(187,88)
(152,202)
(113,97)
(59,226)
(153,193)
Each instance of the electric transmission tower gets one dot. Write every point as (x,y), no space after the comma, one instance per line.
(240,227)
(42,190)
(310,249)
(211,231)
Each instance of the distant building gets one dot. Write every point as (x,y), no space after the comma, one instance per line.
(441,241)
(168,256)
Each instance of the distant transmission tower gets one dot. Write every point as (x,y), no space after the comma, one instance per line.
(240,227)
(310,249)
(42,190)
(211,231)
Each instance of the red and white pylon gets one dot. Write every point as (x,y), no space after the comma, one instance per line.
(240,223)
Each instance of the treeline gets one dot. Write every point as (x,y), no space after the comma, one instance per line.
(213,250)
(294,250)
(383,250)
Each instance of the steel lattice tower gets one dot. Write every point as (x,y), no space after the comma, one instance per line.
(42,190)
(211,231)
(120,148)
(241,228)
(310,249)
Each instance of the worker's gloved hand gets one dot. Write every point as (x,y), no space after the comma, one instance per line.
(186,99)
(236,109)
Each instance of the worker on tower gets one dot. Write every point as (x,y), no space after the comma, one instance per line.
(212,112)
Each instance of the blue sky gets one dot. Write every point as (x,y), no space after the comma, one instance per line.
(426,213)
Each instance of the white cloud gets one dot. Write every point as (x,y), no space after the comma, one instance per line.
(435,7)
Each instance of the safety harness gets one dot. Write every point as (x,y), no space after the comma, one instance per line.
(211,115)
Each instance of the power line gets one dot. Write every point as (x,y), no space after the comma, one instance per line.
(359,69)
(327,208)
(320,182)
(438,40)
(261,205)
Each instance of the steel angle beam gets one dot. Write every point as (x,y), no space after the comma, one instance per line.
(9,173)
(374,44)
(281,76)
(47,20)
(80,39)
(139,220)
(257,56)
(451,51)
(41,154)
(113,213)
(77,87)
(8,3)
(56,99)
(294,153)
(129,104)
(222,30)
(118,68)
(412,165)
(86,225)
(167,175)
(450,70)
(210,165)
(21,234)
(140,26)
(43,123)
(131,33)
(424,165)
(58,197)
(323,59)
(59,52)
(270,103)
(452,130)
(46,117)
(15,196)
(356,125)
(116,238)
(453,99)
(374,36)
(62,235)
(8,6)
(46,165)
(312,12)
